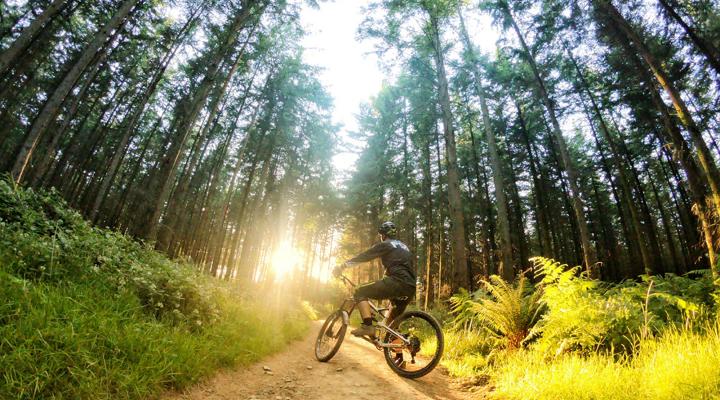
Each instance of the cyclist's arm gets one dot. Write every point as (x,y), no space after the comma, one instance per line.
(370,254)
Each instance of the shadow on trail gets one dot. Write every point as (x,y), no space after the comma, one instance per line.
(435,385)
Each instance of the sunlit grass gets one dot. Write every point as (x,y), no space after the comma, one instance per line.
(87,313)
(75,341)
(679,365)
(464,352)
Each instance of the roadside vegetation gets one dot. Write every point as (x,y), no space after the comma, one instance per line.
(88,313)
(571,337)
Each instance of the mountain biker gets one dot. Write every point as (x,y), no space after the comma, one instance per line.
(398,285)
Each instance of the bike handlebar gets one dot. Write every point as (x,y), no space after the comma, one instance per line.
(346,280)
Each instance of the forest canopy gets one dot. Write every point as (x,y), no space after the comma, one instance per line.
(588,134)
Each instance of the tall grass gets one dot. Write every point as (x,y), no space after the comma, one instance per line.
(87,313)
(679,365)
(74,341)
(466,353)
(656,338)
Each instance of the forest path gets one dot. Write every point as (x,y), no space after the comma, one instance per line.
(358,371)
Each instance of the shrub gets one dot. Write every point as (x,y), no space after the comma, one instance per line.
(506,311)
(88,313)
(42,240)
(586,315)
(579,316)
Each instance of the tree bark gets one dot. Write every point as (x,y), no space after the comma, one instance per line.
(185,117)
(589,255)
(642,232)
(457,227)
(129,127)
(52,106)
(428,237)
(507,268)
(218,102)
(683,156)
(703,152)
(14,52)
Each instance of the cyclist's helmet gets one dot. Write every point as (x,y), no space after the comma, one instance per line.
(388,229)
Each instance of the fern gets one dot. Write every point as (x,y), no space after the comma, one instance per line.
(580,316)
(461,307)
(507,312)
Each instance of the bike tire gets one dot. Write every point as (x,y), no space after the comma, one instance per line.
(438,352)
(334,318)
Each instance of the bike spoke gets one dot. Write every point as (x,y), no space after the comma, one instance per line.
(330,337)
(422,348)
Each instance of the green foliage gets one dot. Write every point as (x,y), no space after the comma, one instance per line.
(655,338)
(309,310)
(681,364)
(88,313)
(43,240)
(466,352)
(585,314)
(507,311)
(75,341)
(579,315)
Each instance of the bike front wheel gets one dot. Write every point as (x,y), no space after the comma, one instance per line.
(330,337)
(425,348)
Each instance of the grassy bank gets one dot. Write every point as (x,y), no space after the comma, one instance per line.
(570,337)
(89,313)
(678,365)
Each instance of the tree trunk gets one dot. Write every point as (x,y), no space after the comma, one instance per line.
(589,256)
(427,193)
(642,233)
(217,105)
(682,154)
(131,124)
(442,239)
(58,132)
(487,233)
(52,106)
(665,219)
(541,217)
(16,49)
(703,152)
(507,270)
(457,227)
(185,118)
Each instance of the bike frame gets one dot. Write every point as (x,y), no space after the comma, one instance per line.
(348,306)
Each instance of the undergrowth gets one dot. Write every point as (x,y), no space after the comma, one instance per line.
(678,365)
(655,338)
(87,313)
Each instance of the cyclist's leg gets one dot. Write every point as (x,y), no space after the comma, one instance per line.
(382,289)
(374,290)
(398,305)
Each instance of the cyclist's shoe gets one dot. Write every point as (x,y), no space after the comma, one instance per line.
(364,330)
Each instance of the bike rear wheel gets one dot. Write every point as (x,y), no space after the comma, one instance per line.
(330,337)
(426,344)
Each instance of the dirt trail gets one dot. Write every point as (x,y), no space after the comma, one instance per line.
(358,371)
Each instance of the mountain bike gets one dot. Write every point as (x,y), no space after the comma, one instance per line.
(412,343)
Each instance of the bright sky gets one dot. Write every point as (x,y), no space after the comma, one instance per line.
(351,73)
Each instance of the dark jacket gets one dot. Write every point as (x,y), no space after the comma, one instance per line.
(396,258)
